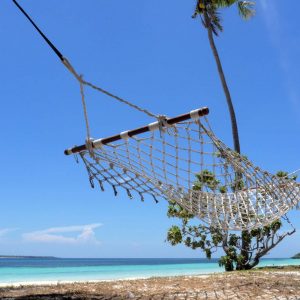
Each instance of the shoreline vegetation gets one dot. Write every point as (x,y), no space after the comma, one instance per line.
(259,283)
(297,256)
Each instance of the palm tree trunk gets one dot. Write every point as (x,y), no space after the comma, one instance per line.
(235,133)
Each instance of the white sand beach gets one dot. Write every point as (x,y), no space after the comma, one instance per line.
(268,283)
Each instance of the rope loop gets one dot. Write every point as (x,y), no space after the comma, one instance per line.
(68,65)
(90,147)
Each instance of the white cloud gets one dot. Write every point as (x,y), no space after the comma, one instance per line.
(271,17)
(275,26)
(136,245)
(5,231)
(85,235)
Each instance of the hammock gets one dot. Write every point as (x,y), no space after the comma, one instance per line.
(181,160)
(186,163)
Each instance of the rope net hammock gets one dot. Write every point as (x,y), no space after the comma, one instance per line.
(186,163)
(181,160)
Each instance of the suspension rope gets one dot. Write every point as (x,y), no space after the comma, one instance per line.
(72,70)
(88,131)
(143,110)
(57,52)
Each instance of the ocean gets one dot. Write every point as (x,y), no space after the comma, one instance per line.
(32,270)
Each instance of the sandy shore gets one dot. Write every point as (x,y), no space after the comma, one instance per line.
(272,283)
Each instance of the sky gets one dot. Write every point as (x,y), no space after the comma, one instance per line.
(156,55)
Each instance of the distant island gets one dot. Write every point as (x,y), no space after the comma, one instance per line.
(296,256)
(29,257)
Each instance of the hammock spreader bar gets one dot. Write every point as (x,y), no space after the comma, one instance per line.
(171,121)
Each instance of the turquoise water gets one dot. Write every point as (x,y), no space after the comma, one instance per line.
(39,270)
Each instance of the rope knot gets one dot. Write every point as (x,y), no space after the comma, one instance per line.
(162,123)
(90,146)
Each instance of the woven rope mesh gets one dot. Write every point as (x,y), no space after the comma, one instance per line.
(187,164)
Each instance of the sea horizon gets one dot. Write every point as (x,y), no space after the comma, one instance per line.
(87,257)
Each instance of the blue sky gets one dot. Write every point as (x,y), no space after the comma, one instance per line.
(155,54)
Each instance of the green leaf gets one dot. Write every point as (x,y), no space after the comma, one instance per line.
(174,236)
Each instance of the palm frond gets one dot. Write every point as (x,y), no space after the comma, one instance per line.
(215,21)
(246,9)
(223,3)
(198,8)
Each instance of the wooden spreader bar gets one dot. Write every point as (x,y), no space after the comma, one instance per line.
(194,114)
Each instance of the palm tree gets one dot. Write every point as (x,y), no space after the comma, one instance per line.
(208,10)
(241,257)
